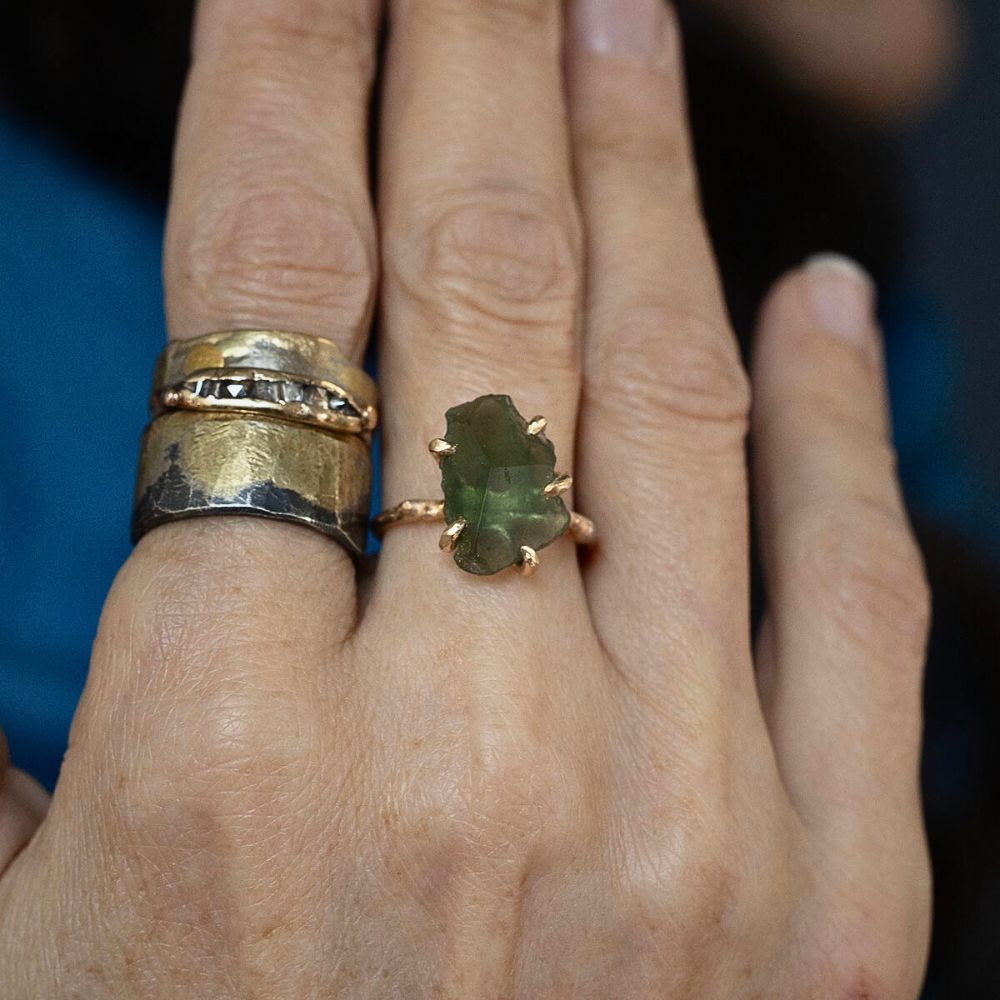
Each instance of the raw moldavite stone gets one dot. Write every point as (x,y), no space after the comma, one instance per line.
(495,480)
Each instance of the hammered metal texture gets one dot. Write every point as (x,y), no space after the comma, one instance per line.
(311,359)
(195,464)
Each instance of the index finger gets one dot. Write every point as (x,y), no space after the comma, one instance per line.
(270,226)
(270,222)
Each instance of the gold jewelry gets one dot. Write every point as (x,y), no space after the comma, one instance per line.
(234,433)
(502,497)
(290,375)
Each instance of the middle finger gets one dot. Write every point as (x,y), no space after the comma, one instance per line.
(481,258)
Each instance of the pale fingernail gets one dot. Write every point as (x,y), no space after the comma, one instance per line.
(842,296)
(630,29)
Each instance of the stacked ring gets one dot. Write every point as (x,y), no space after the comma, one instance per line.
(267,423)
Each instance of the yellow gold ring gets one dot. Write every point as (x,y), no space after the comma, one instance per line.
(258,422)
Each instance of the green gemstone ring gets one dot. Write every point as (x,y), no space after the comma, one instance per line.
(502,496)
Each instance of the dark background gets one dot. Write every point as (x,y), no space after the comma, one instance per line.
(783,176)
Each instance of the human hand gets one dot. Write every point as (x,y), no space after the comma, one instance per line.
(580,784)
(881,60)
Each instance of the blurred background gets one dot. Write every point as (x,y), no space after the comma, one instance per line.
(865,128)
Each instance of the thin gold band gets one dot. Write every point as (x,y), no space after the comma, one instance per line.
(581,528)
(292,376)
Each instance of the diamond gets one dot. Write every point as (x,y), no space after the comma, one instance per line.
(315,396)
(266,391)
(232,390)
(291,392)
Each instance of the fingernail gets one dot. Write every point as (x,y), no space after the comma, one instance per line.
(842,296)
(630,29)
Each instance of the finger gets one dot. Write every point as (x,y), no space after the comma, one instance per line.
(203,636)
(270,222)
(837,50)
(480,250)
(848,613)
(662,426)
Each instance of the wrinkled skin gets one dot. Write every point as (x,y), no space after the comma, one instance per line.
(585,784)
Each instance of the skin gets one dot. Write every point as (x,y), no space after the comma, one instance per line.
(881,60)
(582,785)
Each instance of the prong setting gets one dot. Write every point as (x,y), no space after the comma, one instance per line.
(449,537)
(529,561)
(440,448)
(536,425)
(560,485)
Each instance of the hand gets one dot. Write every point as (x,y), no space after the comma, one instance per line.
(579,785)
(882,60)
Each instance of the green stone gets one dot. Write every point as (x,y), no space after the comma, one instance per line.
(494,480)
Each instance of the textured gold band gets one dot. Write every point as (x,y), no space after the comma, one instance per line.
(198,463)
(293,376)
(581,529)
(261,422)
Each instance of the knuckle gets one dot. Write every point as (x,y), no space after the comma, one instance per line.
(521,14)
(503,17)
(476,814)
(504,261)
(622,135)
(481,802)
(832,423)
(872,972)
(259,251)
(868,571)
(704,880)
(534,10)
(504,800)
(662,366)
(310,30)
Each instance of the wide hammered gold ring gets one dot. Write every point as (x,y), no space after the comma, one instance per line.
(502,496)
(260,422)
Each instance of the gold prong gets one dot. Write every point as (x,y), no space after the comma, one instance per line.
(583,530)
(536,425)
(560,485)
(449,537)
(298,410)
(439,448)
(529,560)
(369,418)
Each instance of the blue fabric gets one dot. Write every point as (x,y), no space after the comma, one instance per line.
(81,308)
(926,367)
(80,305)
